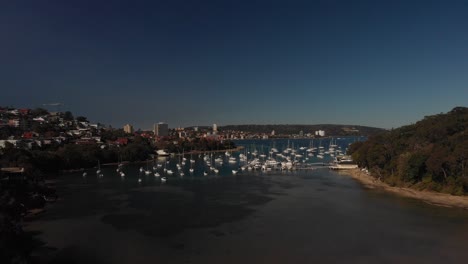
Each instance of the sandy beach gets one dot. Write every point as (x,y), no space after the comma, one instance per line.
(440,199)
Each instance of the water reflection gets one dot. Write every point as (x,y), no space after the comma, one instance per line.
(251,217)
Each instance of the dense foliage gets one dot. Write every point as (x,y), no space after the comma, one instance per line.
(73,156)
(431,154)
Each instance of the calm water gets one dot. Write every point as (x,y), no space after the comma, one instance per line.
(313,216)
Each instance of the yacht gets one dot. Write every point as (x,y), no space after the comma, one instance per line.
(162,152)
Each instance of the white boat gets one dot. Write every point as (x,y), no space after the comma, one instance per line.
(99,168)
(161,152)
(234,172)
(271,162)
(163,179)
(170,172)
(156,174)
(343,163)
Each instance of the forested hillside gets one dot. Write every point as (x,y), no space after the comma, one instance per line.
(431,154)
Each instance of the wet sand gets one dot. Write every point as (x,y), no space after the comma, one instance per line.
(440,199)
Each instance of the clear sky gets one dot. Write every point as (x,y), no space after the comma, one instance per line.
(185,62)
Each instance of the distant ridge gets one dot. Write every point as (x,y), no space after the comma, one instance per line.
(330,129)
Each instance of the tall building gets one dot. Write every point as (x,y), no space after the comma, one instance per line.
(128,129)
(161,129)
(215,128)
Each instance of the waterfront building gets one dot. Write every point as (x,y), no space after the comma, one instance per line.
(128,129)
(215,128)
(320,133)
(161,129)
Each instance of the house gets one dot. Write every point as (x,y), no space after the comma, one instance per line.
(27,135)
(85,141)
(121,141)
(24,111)
(14,112)
(39,119)
(3,143)
(14,122)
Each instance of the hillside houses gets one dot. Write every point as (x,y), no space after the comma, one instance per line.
(38,128)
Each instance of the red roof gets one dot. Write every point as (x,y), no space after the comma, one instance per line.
(122,141)
(27,135)
(24,111)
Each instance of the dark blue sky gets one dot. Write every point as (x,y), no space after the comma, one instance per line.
(377,63)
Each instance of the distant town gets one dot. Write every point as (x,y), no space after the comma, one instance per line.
(40,128)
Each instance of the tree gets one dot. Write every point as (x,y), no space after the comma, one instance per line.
(411,167)
(39,112)
(81,119)
(438,162)
(460,153)
(68,116)
(136,151)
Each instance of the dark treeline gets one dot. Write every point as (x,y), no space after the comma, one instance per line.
(431,154)
(73,156)
(28,190)
(331,130)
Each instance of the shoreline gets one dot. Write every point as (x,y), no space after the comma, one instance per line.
(239,148)
(434,198)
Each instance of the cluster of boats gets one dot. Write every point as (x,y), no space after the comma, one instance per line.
(250,159)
